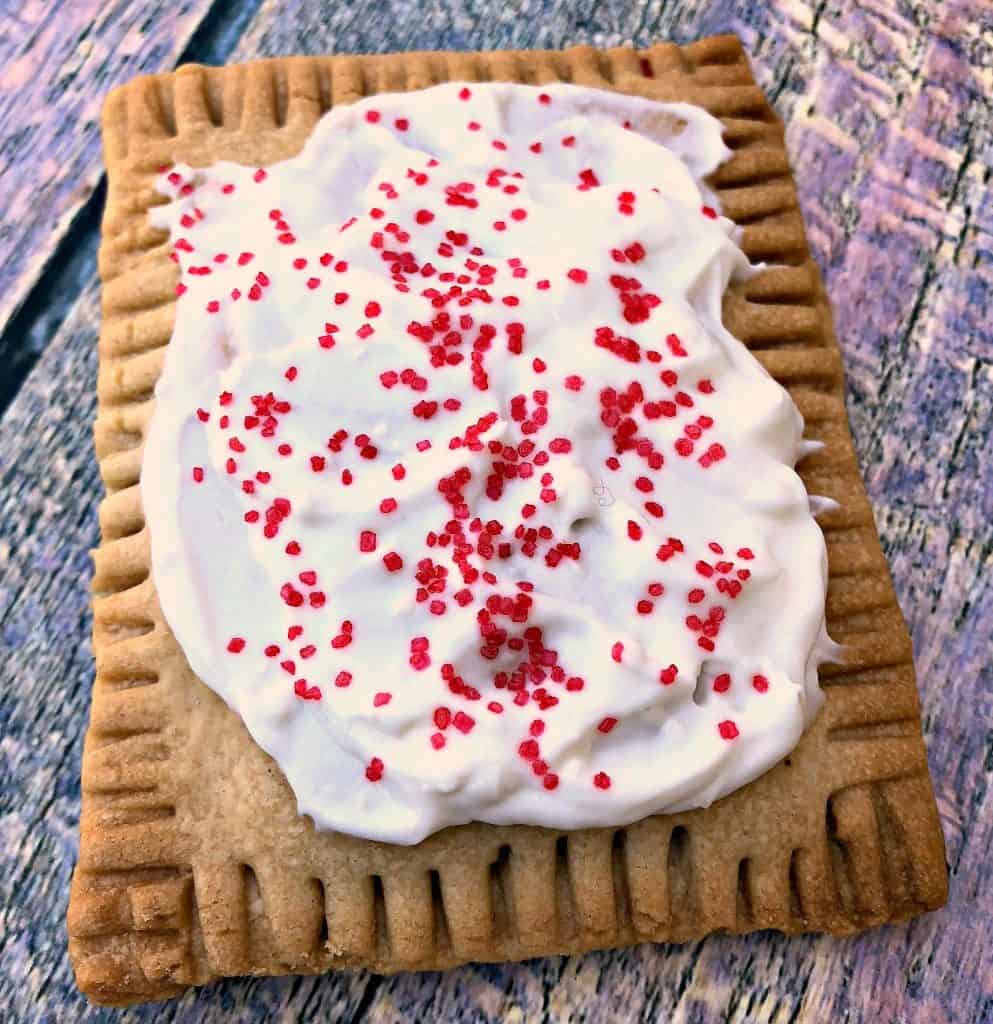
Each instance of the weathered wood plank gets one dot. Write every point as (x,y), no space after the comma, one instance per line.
(889,129)
(56,64)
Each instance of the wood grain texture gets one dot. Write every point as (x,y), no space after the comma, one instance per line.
(888,108)
(57,60)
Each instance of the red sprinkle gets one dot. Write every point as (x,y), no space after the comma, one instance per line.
(305,692)
(463,722)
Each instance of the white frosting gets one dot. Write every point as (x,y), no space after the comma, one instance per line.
(637,737)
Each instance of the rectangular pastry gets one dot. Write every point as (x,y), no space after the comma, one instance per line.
(458,598)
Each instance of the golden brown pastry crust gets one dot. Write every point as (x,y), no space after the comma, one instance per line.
(193,862)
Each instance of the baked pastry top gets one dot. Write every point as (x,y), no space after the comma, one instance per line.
(194,862)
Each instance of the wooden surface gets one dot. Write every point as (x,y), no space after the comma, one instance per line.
(889,114)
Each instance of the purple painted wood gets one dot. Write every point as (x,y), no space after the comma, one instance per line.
(55,67)
(888,107)
(57,60)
